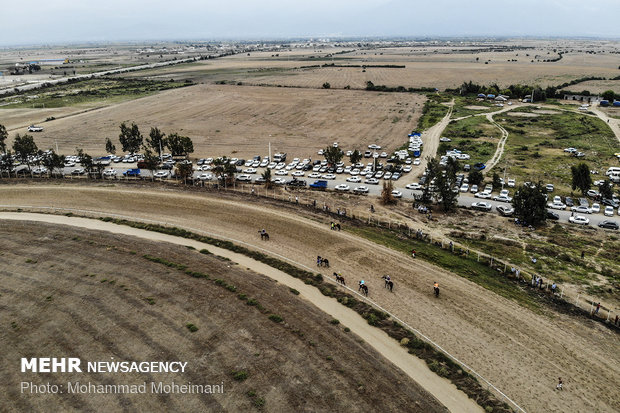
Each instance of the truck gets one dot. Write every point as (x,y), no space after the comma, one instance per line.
(132,172)
(279,157)
(319,184)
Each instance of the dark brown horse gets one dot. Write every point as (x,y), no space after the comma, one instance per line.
(363,288)
(388,283)
(339,278)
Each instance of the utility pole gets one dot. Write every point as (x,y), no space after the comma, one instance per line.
(160,158)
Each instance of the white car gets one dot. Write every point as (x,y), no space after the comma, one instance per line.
(279,181)
(581,209)
(314,175)
(163,174)
(39,170)
(464,187)
(372,181)
(361,189)
(596,208)
(504,192)
(244,178)
(397,194)
(298,173)
(502,198)
(511,183)
(579,219)
(342,187)
(407,169)
(82,171)
(263,163)
(416,161)
(482,206)
(354,179)
(474,189)
(483,195)
(109,172)
(202,177)
(444,139)
(328,176)
(249,171)
(281,172)
(557,205)
(413,185)
(374,146)
(609,211)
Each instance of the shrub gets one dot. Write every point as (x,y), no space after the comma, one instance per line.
(294,291)
(240,375)
(252,301)
(347,329)
(334,321)
(404,342)
(276,318)
(150,300)
(191,327)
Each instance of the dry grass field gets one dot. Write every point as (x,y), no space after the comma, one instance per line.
(225,119)
(520,350)
(72,292)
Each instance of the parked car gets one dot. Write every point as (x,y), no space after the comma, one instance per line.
(342,187)
(553,215)
(482,206)
(372,181)
(511,183)
(608,224)
(354,179)
(397,194)
(569,201)
(557,205)
(483,195)
(581,209)
(413,186)
(596,208)
(609,211)
(360,189)
(82,171)
(502,198)
(579,219)
(505,210)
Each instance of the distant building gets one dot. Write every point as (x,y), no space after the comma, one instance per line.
(583,98)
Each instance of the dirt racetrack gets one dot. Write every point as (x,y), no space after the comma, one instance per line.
(242,120)
(91,294)
(519,351)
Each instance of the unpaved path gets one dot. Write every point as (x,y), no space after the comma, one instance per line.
(430,138)
(499,151)
(442,389)
(519,351)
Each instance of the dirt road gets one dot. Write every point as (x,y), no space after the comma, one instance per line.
(442,389)
(519,351)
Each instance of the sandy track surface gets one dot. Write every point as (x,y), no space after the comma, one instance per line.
(519,351)
(500,145)
(442,389)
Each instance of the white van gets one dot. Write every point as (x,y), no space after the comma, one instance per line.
(614,170)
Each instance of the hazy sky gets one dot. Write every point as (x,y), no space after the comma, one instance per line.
(53,21)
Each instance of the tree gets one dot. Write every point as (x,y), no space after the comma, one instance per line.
(475,177)
(609,95)
(446,182)
(606,191)
(386,193)
(267,177)
(156,140)
(530,204)
(224,170)
(179,145)
(130,138)
(581,177)
(53,161)
(496,181)
(109,146)
(6,163)
(332,155)
(24,147)
(86,161)
(355,157)
(151,161)
(326,85)
(432,169)
(3,135)
(184,170)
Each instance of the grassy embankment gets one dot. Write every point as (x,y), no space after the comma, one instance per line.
(474,136)
(88,92)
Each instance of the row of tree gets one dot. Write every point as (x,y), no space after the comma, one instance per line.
(131,141)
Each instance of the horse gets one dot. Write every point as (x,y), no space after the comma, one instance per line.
(388,283)
(436,292)
(264,236)
(325,262)
(339,278)
(364,289)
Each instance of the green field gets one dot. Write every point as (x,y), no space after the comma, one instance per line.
(474,136)
(433,111)
(88,92)
(535,146)
(460,102)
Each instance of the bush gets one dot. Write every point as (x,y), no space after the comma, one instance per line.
(334,321)
(276,318)
(191,327)
(294,291)
(240,375)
